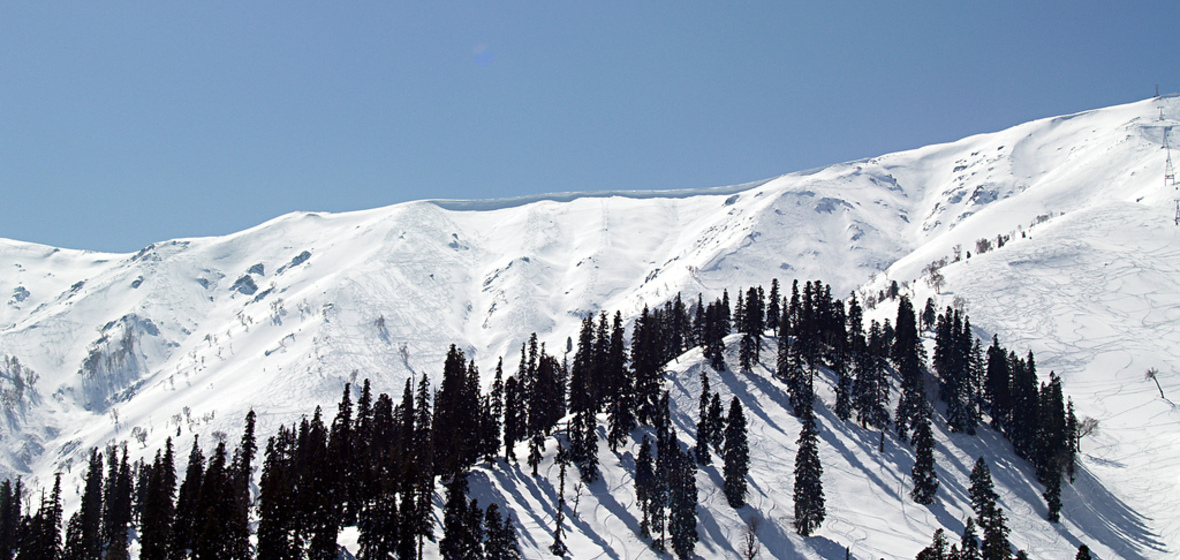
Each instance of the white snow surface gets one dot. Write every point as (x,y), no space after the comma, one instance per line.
(186,335)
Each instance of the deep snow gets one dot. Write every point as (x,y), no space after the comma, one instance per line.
(165,341)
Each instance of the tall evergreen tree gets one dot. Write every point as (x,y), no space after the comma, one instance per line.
(682,504)
(237,536)
(558,548)
(514,418)
(536,451)
(497,410)
(186,504)
(210,524)
(929,313)
(583,431)
(379,528)
(773,306)
(791,366)
(649,368)
(871,386)
(42,533)
(704,435)
(907,356)
(923,473)
(117,497)
(501,543)
(736,455)
(645,486)
(459,539)
(717,424)
(991,517)
(809,490)
(455,418)
(421,485)
(996,386)
(158,509)
(86,543)
(10,517)
(713,333)
(276,499)
(937,549)
(969,543)
(621,395)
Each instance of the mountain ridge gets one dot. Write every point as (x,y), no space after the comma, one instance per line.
(174,342)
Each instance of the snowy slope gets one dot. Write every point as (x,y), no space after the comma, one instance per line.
(867,491)
(187,335)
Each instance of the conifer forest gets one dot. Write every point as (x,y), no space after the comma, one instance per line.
(381,462)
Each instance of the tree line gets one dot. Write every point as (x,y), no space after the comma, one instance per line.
(377,463)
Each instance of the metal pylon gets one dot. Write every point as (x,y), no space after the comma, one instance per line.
(1170,174)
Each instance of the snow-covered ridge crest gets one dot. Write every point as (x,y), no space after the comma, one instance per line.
(278,316)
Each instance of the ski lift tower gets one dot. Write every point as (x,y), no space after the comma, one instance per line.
(1170,174)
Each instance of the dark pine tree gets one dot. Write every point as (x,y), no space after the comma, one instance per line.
(736,455)
(495,422)
(41,539)
(923,473)
(929,313)
(937,549)
(116,517)
(704,436)
(379,528)
(991,517)
(1025,399)
(583,431)
(648,366)
(158,507)
(1084,553)
(536,451)
(717,424)
(1052,496)
(791,366)
(360,472)
(87,542)
(215,499)
(10,517)
(558,548)
(501,543)
(907,356)
(996,386)
(871,387)
(809,490)
(645,486)
(459,537)
(621,395)
(514,418)
(682,504)
(455,418)
(774,308)
(237,536)
(715,328)
(277,499)
(969,543)
(421,483)
(186,504)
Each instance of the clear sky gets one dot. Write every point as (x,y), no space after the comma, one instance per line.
(124,123)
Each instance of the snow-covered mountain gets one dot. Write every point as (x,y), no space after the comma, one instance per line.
(187,335)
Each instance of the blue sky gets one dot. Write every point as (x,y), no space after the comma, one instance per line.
(124,123)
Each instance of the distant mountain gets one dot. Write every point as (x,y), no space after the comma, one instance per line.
(187,335)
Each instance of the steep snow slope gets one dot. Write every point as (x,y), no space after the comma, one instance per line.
(869,510)
(186,335)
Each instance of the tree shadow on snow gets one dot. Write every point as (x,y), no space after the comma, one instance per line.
(1106,518)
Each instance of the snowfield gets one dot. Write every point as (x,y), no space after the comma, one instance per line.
(187,335)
